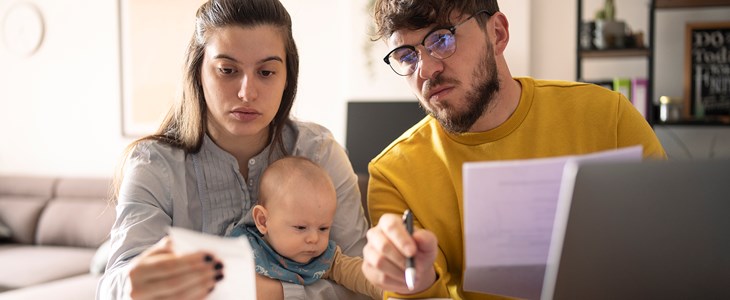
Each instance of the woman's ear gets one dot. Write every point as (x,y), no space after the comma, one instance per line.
(260,214)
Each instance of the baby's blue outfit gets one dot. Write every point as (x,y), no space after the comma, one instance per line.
(272,265)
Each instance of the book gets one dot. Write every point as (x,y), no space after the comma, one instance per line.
(623,86)
(638,94)
(509,212)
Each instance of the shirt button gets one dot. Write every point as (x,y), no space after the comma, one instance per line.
(252,161)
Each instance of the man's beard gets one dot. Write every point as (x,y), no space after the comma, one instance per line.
(477,100)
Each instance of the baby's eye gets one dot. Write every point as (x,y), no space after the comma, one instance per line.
(300,227)
(324,229)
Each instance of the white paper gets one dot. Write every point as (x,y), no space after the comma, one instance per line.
(509,211)
(239,281)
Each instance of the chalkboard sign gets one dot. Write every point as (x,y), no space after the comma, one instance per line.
(707,71)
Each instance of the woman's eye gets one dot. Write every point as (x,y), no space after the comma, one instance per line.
(266,73)
(226,71)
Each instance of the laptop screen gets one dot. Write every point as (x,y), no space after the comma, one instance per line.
(651,230)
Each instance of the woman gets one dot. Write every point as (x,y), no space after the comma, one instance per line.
(201,169)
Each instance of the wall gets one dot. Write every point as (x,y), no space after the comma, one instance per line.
(60,108)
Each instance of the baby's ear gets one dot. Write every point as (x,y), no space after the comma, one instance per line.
(260,214)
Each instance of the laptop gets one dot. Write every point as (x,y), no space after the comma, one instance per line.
(649,230)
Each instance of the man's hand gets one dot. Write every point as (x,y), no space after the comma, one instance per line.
(384,256)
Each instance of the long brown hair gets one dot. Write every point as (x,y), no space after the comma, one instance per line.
(184,126)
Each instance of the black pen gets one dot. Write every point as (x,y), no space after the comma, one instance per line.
(410,269)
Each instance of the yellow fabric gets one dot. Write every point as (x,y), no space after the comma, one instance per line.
(422,169)
(347,272)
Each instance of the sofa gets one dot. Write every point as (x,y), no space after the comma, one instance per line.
(53,234)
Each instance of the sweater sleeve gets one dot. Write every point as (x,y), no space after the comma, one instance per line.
(632,129)
(384,198)
(347,271)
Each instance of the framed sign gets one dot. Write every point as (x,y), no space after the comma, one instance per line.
(707,71)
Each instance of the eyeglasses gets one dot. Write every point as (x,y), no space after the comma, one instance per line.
(440,43)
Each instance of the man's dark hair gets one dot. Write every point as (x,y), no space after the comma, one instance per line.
(393,15)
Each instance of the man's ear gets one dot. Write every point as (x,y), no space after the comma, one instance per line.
(501,32)
(260,214)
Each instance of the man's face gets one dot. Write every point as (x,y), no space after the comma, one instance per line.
(456,90)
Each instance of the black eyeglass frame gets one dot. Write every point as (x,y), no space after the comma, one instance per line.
(451,29)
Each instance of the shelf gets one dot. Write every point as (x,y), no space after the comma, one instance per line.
(689,3)
(638,52)
(694,122)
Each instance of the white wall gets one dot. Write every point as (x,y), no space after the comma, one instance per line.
(60,108)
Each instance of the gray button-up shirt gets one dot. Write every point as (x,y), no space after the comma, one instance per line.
(162,187)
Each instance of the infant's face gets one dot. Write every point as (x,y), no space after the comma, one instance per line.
(299,223)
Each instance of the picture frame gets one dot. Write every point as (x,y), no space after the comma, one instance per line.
(153,38)
(707,71)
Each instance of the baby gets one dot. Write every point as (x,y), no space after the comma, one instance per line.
(297,203)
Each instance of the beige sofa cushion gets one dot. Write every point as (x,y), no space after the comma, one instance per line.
(21,214)
(21,202)
(82,287)
(80,214)
(27,186)
(30,265)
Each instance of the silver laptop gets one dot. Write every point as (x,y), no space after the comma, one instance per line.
(651,230)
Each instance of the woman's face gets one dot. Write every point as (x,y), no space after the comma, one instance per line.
(243,76)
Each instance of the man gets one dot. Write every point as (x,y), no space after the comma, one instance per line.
(451,53)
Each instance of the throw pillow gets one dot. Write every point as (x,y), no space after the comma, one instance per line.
(98,262)
(5,232)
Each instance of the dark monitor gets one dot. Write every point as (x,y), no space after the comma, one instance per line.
(372,126)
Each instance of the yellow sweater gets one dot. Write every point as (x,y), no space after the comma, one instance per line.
(422,169)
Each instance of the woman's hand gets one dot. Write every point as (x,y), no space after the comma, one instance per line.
(268,288)
(384,256)
(159,273)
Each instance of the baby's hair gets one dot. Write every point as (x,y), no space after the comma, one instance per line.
(289,171)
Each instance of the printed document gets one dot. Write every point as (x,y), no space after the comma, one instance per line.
(509,210)
(235,253)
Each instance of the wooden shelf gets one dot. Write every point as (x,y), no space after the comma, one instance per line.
(689,3)
(637,52)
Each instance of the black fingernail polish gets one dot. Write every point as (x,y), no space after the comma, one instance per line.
(208,258)
(218,277)
(218,266)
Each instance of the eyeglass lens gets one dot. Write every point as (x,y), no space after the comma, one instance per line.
(440,44)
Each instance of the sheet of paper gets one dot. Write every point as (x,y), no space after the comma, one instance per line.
(239,281)
(509,211)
